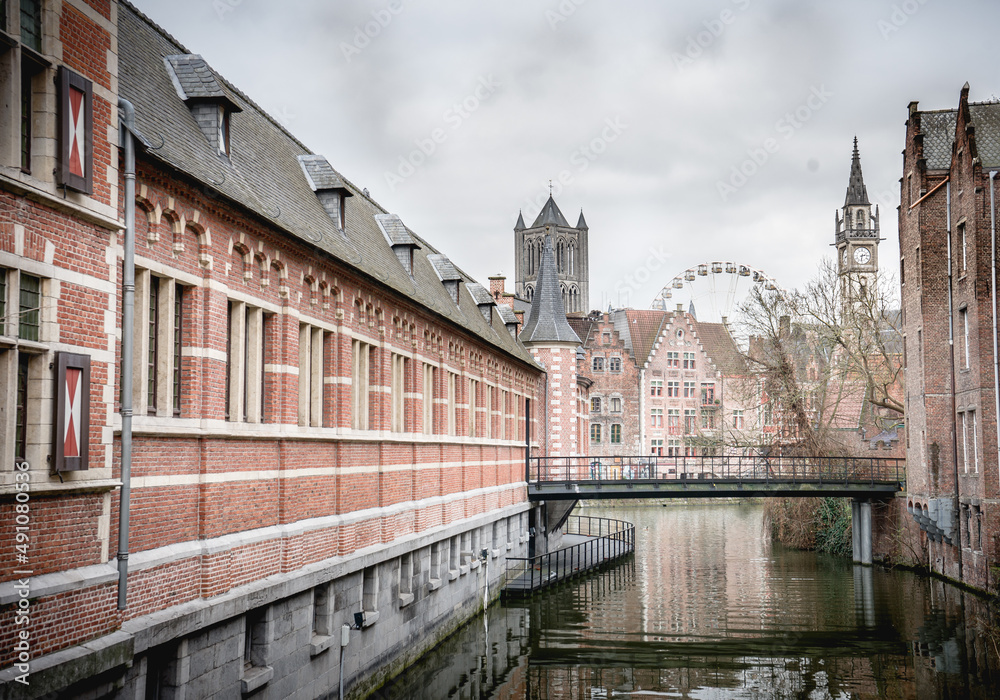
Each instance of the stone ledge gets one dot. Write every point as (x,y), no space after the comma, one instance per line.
(256,677)
(406,599)
(51,674)
(320,643)
(434,584)
(60,582)
(453,574)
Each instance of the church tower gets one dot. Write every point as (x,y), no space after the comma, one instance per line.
(571,251)
(857,234)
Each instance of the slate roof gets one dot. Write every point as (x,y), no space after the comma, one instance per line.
(320,174)
(938,129)
(547,322)
(262,175)
(986,119)
(506,314)
(856,191)
(519,226)
(443,267)
(581,223)
(550,215)
(480,294)
(195,80)
(393,229)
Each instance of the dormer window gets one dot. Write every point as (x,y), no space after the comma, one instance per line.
(207,97)
(330,189)
(484,300)
(399,238)
(447,273)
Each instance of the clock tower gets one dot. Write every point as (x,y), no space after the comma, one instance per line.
(857,234)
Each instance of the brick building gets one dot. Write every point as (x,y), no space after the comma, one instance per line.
(947,235)
(329,416)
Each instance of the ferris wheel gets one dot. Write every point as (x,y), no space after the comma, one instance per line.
(714,289)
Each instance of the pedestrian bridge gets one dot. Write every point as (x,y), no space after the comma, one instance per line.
(862,479)
(729,476)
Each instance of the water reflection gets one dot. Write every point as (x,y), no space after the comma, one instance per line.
(709,608)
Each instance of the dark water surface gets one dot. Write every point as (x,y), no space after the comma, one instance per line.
(710,608)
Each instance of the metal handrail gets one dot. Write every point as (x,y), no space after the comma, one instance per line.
(609,539)
(751,469)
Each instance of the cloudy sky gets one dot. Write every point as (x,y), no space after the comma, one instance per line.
(457,114)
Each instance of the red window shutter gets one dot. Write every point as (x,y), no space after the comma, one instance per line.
(76,132)
(72,420)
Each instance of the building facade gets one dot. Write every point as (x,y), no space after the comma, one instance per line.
(947,240)
(329,418)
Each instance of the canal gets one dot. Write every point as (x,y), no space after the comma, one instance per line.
(710,607)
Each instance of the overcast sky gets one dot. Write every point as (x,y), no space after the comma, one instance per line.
(641,112)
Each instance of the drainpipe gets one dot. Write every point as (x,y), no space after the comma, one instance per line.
(642,411)
(993,313)
(954,409)
(128,307)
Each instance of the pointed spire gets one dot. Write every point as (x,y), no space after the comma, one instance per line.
(547,319)
(691,310)
(550,215)
(582,223)
(856,191)
(519,226)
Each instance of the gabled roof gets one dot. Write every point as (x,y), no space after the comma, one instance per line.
(547,320)
(550,215)
(986,119)
(506,314)
(320,174)
(721,348)
(856,192)
(938,129)
(643,328)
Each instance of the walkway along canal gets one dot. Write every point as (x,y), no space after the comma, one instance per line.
(710,607)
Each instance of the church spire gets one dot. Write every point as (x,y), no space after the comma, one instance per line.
(856,191)
(519,226)
(581,222)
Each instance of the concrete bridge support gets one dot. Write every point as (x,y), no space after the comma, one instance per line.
(861,529)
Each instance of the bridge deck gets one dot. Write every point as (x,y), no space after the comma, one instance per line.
(562,478)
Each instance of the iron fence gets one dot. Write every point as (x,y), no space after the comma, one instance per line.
(607,540)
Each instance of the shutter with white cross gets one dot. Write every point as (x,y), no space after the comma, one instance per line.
(76,118)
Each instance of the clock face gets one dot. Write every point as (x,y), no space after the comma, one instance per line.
(862,256)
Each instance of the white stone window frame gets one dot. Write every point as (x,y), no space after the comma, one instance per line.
(246,362)
(312,375)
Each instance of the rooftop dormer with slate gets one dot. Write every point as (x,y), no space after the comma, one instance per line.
(484,300)
(330,189)
(570,247)
(447,273)
(399,238)
(205,95)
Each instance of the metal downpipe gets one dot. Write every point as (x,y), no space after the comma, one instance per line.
(128,323)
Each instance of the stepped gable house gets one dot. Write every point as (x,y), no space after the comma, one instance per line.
(329,417)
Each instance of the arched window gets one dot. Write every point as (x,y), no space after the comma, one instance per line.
(860,218)
(529,293)
(572,259)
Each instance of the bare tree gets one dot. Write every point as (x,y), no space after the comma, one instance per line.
(819,357)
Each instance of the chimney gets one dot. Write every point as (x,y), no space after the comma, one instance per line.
(680,308)
(497,287)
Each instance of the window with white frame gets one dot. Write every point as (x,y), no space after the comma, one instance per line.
(157,356)
(614,364)
(690,421)
(689,360)
(656,387)
(397,393)
(473,403)
(428,398)
(361,364)
(656,446)
(689,390)
(595,404)
(312,375)
(597,364)
(673,389)
(673,359)
(452,402)
(245,358)
(738,419)
(616,404)
(656,417)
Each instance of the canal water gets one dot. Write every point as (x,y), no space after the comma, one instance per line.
(710,607)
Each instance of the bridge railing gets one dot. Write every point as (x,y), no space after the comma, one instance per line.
(607,539)
(737,468)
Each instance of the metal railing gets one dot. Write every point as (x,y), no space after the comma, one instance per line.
(750,469)
(608,540)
